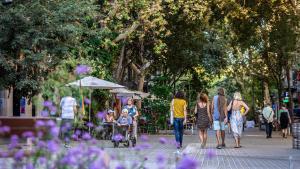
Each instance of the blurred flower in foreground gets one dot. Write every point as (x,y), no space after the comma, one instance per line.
(117,137)
(163,140)
(160,158)
(47,103)
(144,138)
(87,101)
(82,69)
(187,163)
(101,115)
(210,153)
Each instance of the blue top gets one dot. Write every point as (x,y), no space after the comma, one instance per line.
(131,111)
(216,112)
(125,120)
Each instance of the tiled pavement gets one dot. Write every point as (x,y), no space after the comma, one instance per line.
(257,153)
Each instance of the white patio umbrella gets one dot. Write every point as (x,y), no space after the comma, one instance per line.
(91,83)
(123,92)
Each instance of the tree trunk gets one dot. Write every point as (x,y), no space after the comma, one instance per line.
(267,98)
(291,106)
(118,72)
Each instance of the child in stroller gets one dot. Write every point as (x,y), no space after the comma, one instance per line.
(122,130)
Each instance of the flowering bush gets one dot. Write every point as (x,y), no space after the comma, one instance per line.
(87,153)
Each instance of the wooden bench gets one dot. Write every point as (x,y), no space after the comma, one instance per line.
(18,125)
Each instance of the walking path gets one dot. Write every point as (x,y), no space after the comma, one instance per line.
(257,152)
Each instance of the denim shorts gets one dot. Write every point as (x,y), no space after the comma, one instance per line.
(217,125)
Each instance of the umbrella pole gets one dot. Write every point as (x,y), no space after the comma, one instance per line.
(90,109)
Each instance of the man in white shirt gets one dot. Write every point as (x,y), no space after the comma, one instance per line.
(268,115)
(68,108)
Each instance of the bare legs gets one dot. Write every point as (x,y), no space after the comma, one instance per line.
(203,137)
(284,133)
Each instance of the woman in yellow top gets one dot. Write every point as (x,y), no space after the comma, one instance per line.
(179,113)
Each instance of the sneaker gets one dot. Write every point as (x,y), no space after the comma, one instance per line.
(219,147)
(67,146)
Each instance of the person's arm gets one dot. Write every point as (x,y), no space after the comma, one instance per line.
(246,108)
(225,110)
(212,108)
(185,113)
(229,106)
(208,112)
(136,113)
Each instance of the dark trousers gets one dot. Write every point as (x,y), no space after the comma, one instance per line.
(66,129)
(178,129)
(269,129)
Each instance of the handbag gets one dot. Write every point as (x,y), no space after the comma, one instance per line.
(172,113)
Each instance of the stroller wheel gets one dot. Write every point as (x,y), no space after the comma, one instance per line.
(116,144)
(133,142)
(126,144)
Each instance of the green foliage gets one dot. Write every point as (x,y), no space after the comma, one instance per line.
(158,112)
(37,35)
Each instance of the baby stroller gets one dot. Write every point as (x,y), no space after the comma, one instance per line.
(123,134)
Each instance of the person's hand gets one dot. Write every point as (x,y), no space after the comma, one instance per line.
(225,120)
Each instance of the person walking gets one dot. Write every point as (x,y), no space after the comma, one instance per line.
(179,114)
(219,110)
(237,118)
(268,114)
(285,120)
(68,109)
(133,113)
(202,111)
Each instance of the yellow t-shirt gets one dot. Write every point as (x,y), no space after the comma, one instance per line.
(179,105)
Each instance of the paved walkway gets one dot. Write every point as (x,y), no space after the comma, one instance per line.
(257,152)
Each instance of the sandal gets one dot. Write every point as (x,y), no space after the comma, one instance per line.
(236,147)
(223,145)
(219,147)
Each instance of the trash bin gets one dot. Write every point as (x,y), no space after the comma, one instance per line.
(296,135)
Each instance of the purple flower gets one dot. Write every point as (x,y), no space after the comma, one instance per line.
(87,101)
(40,134)
(82,69)
(29,166)
(86,136)
(160,158)
(124,100)
(39,124)
(210,153)
(50,123)
(118,137)
(75,137)
(42,160)
(163,140)
(187,163)
(41,144)
(27,134)
(120,167)
(77,132)
(6,129)
(53,109)
(4,154)
(14,141)
(144,138)
(47,103)
(52,146)
(142,147)
(101,115)
(19,155)
(54,131)
(90,124)
(44,113)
